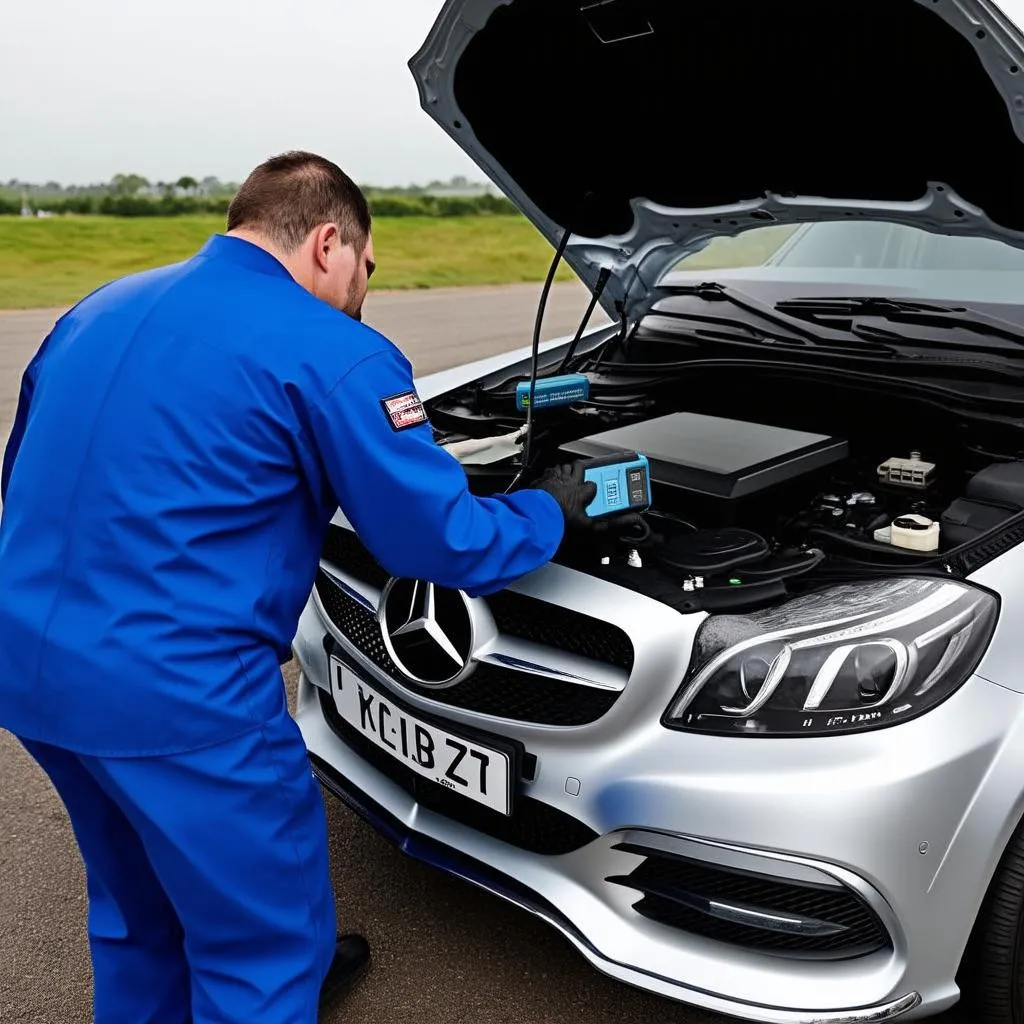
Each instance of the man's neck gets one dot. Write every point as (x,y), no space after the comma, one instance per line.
(260,240)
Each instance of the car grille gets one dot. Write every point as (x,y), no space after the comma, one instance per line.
(533,825)
(495,690)
(516,615)
(491,690)
(757,912)
(344,549)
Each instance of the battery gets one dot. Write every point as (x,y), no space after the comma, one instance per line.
(551,391)
(623,484)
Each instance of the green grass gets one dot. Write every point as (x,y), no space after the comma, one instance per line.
(54,262)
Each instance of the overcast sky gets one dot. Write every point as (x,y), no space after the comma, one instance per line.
(92,88)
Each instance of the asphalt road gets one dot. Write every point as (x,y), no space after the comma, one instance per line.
(444,951)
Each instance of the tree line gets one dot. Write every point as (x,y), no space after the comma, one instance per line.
(132,195)
(176,206)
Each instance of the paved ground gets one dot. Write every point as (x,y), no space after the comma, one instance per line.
(444,951)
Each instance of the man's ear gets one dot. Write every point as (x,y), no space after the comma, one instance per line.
(328,249)
(325,238)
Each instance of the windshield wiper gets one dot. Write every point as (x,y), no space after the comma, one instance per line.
(724,329)
(849,313)
(793,330)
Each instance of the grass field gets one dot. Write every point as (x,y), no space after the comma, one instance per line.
(53,262)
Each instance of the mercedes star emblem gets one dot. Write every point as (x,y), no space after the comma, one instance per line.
(428,631)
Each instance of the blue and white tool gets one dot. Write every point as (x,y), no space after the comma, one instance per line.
(623,484)
(548,392)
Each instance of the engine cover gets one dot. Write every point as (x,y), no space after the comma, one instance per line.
(715,457)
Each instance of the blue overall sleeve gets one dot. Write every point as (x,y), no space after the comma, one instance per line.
(408,499)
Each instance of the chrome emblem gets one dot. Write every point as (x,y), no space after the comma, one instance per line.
(428,631)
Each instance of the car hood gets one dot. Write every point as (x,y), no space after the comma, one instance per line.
(649,127)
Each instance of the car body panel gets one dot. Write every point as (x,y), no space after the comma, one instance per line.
(416,834)
(1002,660)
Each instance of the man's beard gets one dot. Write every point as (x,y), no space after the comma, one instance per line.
(356,314)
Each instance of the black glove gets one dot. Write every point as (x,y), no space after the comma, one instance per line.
(566,485)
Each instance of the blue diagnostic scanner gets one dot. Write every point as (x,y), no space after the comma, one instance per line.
(564,389)
(623,484)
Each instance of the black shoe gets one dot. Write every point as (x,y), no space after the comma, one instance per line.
(351,960)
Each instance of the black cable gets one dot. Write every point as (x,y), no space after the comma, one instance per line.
(618,338)
(622,338)
(602,280)
(673,518)
(639,533)
(812,559)
(541,306)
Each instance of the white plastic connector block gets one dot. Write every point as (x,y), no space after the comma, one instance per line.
(912,472)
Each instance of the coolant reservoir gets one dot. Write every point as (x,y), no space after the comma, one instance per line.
(918,533)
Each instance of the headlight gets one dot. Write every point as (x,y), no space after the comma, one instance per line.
(850,658)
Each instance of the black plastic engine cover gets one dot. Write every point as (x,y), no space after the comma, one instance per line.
(965,521)
(992,496)
(999,484)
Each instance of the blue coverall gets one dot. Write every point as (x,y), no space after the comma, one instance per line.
(182,438)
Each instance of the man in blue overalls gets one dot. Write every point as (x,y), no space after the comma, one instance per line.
(183,436)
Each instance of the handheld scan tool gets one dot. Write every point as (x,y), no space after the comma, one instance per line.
(623,484)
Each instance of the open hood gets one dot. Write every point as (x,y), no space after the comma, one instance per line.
(649,127)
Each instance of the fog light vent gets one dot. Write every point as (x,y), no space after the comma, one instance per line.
(772,915)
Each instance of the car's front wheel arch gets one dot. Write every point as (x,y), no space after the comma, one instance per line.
(991,971)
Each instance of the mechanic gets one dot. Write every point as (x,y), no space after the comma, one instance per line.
(182,438)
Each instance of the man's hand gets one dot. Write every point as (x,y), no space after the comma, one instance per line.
(566,485)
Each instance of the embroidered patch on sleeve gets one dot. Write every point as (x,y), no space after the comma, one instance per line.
(404,410)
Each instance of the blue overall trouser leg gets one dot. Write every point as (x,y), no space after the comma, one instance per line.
(209,895)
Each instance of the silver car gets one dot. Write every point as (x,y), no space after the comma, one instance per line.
(764,752)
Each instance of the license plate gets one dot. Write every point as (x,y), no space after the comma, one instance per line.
(477,771)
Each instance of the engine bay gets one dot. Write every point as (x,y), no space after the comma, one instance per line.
(809,478)
(743,511)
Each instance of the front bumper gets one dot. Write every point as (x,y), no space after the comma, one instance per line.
(853,810)
(429,850)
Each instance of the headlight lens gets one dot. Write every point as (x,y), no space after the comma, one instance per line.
(850,658)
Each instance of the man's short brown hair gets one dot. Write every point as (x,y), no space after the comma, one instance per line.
(287,196)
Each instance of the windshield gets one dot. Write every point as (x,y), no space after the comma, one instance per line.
(869,256)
